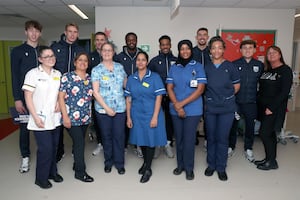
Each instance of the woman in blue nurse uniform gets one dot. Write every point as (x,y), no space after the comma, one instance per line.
(185,83)
(145,118)
(223,82)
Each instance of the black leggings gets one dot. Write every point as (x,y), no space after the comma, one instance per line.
(148,153)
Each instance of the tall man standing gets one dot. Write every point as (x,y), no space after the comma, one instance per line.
(201,51)
(99,40)
(95,56)
(24,58)
(161,65)
(65,51)
(128,59)
(201,54)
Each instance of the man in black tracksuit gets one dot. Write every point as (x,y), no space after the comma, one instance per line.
(24,58)
(202,55)
(161,65)
(65,51)
(250,70)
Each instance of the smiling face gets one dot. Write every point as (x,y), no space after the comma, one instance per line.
(141,61)
(165,46)
(107,52)
(33,34)
(185,51)
(81,62)
(47,58)
(131,42)
(202,37)
(248,51)
(217,50)
(273,55)
(99,41)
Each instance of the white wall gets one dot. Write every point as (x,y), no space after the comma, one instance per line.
(152,22)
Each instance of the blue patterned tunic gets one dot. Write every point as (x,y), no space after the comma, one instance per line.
(78,97)
(110,87)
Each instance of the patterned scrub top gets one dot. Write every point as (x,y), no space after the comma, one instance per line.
(78,97)
(110,87)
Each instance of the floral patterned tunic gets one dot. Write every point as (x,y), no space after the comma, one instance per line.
(78,97)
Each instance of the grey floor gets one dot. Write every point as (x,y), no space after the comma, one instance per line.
(245,181)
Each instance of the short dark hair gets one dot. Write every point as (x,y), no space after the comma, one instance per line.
(42,48)
(215,39)
(244,42)
(34,24)
(130,33)
(164,37)
(101,33)
(202,29)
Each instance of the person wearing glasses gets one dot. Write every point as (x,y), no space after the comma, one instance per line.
(40,87)
(274,88)
(109,80)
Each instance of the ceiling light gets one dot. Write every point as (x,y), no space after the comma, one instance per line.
(78,11)
(297,15)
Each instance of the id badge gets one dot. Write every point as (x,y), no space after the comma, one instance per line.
(193,83)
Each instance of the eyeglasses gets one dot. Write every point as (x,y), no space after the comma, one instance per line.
(48,57)
(107,50)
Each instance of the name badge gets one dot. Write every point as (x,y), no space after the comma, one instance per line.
(145,84)
(86,82)
(193,83)
(105,78)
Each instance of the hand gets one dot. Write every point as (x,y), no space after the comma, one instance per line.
(67,122)
(178,106)
(57,108)
(129,123)
(110,112)
(268,111)
(153,122)
(39,122)
(181,113)
(20,107)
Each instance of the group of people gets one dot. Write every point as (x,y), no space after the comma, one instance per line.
(146,103)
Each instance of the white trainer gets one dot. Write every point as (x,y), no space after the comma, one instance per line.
(139,152)
(230,152)
(168,151)
(249,155)
(24,165)
(98,149)
(205,145)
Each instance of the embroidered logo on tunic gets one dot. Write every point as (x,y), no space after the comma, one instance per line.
(255,69)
